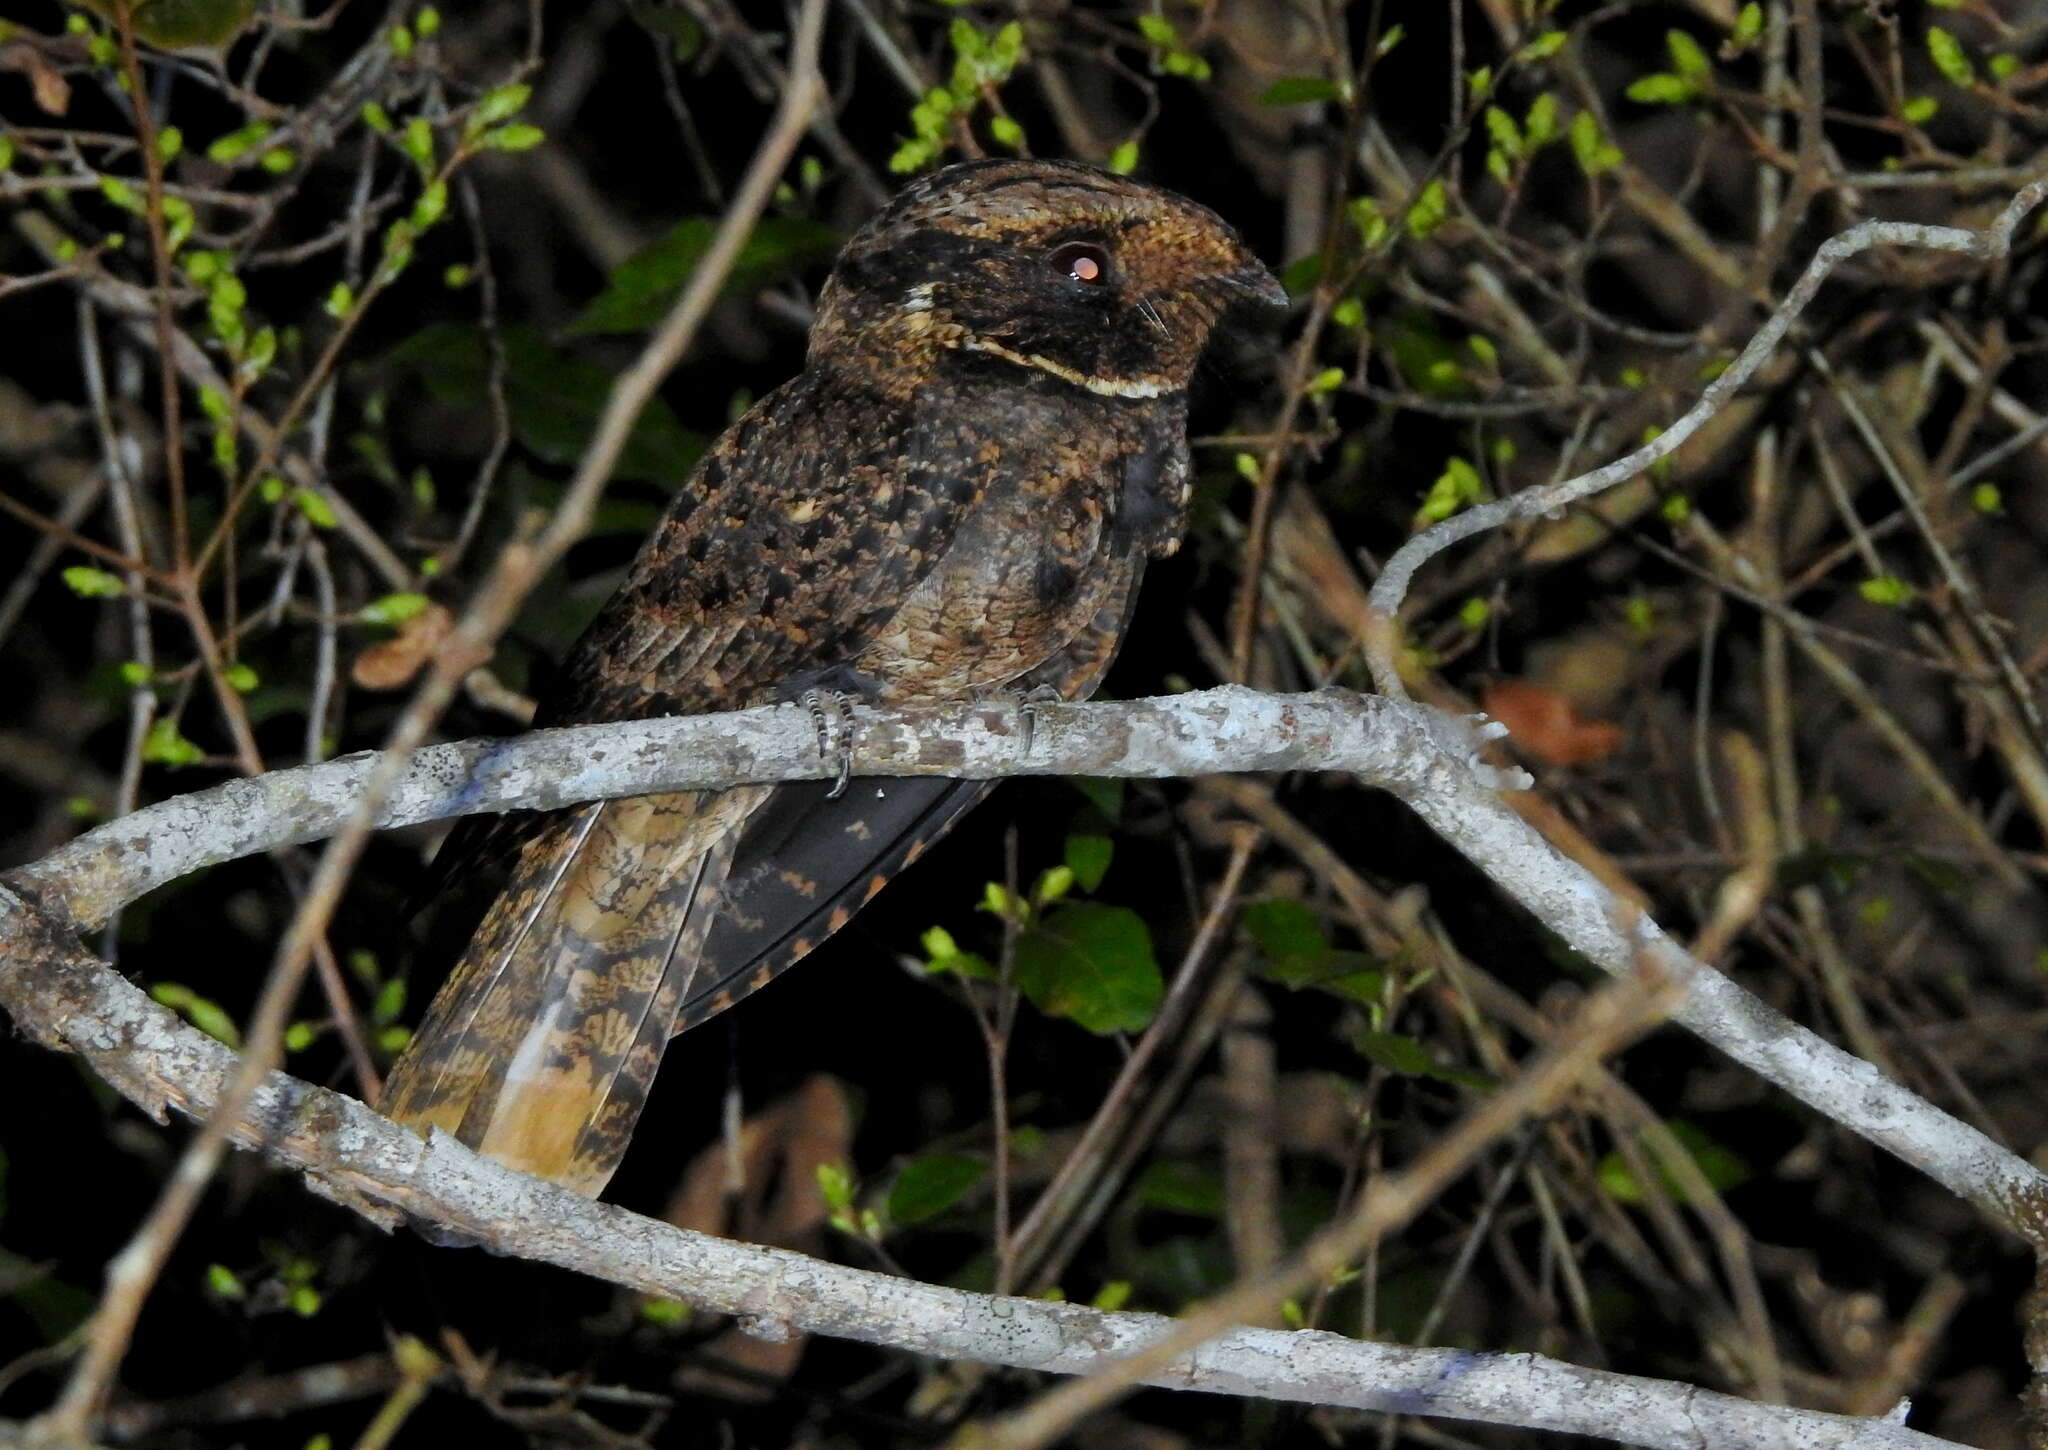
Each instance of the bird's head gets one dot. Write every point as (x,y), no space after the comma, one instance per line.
(1102,282)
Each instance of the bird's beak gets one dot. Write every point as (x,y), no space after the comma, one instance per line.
(1252,282)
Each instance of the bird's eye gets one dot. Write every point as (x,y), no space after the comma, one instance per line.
(1081,262)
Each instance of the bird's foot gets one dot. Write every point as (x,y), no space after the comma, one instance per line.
(829,693)
(1024,703)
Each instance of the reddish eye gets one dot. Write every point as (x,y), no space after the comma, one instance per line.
(1082,262)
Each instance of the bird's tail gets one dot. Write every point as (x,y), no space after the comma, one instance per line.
(540,1047)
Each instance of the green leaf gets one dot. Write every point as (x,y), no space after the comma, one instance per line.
(1661,88)
(1179,1186)
(1088,858)
(90,583)
(1749,24)
(930,1185)
(502,104)
(1539,127)
(1158,29)
(1300,91)
(1686,56)
(1949,57)
(517,137)
(318,511)
(1593,151)
(165,746)
(1297,954)
(643,287)
(555,399)
(206,1015)
(222,1283)
(1124,158)
(1396,1053)
(1886,589)
(237,144)
(393,608)
(1430,209)
(1093,965)
(1505,133)
(1720,1166)
(1918,110)
(190,24)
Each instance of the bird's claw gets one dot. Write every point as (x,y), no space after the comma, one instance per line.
(841,703)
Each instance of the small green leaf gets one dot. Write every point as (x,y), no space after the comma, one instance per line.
(1543,47)
(1474,613)
(1430,210)
(1949,57)
(222,1283)
(206,1015)
(163,745)
(304,1300)
(1506,134)
(240,678)
(340,299)
(1112,1296)
(1158,29)
(237,144)
(1749,24)
(1590,147)
(318,511)
(1394,1052)
(1092,964)
(1886,589)
(1124,158)
(1539,126)
(1918,110)
(427,22)
(300,1036)
(1686,56)
(120,193)
(417,141)
(169,142)
(376,118)
(1722,1168)
(90,583)
(516,137)
(1300,91)
(1006,132)
(1985,498)
(930,1185)
(1661,88)
(664,1313)
(1052,886)
(1088,857)
(835,1186)
(1458,486)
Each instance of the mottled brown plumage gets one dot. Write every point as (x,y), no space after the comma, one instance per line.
(954,498)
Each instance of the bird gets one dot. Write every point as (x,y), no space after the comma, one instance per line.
(954,499)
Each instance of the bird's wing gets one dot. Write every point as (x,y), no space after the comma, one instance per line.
(809,860)
(785,553)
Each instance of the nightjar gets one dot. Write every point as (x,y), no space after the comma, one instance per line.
(954,498)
